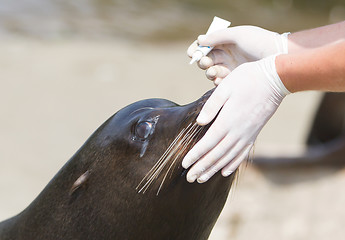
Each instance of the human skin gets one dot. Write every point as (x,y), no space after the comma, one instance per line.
(320,68)
(316,37)
(316,60)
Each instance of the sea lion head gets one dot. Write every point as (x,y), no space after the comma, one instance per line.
(154,134)
(143,144)
(137,165)
(127,182)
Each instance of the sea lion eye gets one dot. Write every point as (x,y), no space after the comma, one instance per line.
(143,130)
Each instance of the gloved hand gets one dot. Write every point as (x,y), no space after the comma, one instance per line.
(237,45)
(246,99)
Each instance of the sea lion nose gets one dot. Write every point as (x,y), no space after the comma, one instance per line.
(201,101)
(193,109)
(204,97)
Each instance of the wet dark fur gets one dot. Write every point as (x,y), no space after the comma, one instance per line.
(94,195)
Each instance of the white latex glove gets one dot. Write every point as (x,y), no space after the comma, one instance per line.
(245,100)
(236,45)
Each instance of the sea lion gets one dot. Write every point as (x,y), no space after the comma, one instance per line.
(126,182)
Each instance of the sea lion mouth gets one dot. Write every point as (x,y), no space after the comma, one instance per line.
(170,160)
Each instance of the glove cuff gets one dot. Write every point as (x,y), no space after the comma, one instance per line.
(269,68)
(281,41)
(285,41)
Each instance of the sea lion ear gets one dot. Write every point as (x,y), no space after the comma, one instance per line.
(81,181)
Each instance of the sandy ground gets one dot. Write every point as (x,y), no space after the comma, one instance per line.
(53,95)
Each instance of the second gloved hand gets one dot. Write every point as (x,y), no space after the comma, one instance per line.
(236,45)
(245,100)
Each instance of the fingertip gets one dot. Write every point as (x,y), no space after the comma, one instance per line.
(212,106)
(235,163)
(191,177)
(203,179)
(202,40)
(189,159)
(202,119)
(190,180)
(185,163)
(221,36)
(226,173)
(211,73)
(192,48)
(205,62)
(217,81)
(200,181)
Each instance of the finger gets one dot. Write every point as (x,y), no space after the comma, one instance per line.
(218,56)
(217,81)
(233,165)
(205,62)
(217,71)
(224,36)
(213,105)
(211,73)
(226,58)
(232,153)
(212,137)
(210,158)
(192,48)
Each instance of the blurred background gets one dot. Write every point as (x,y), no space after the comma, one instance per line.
(66,66)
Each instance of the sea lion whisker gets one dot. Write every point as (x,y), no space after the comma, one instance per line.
(156,172)
(159,170)
(151,173)
(185,143)
(169,149)
(165,161)
(167,172)
(169,168)
(165,153)
(160,186)
(189,138)
(172,153)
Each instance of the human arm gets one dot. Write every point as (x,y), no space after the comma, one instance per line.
(321,68)
(316,37)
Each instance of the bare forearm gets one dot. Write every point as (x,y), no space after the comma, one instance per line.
(321,68)
(317,37)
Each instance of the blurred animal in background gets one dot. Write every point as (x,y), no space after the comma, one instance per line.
(326,139)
